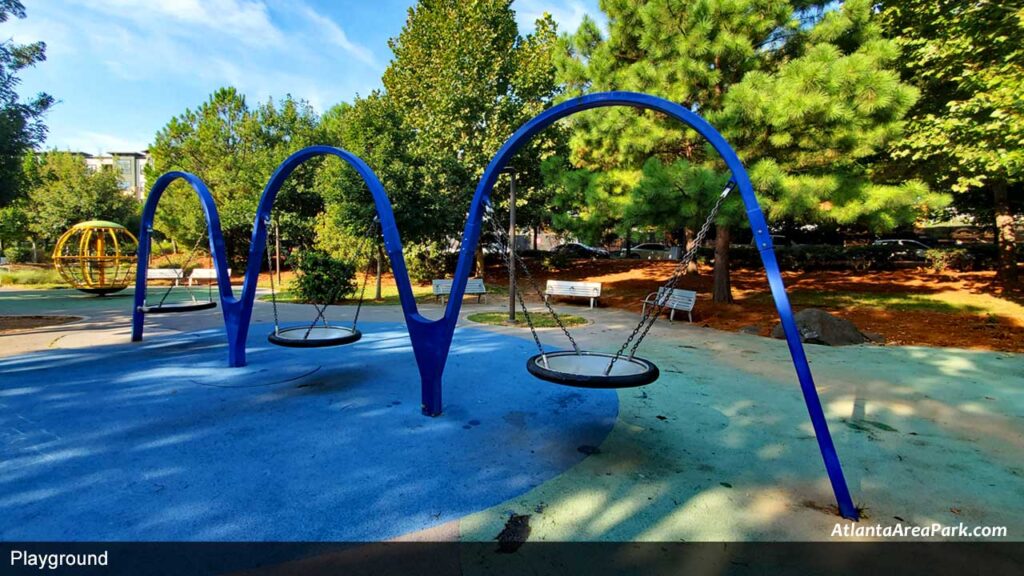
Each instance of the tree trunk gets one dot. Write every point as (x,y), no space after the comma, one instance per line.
(722,291)
(35,252)
(689,235)
(1006,241)
(535,231)
(479,261)
(380,270)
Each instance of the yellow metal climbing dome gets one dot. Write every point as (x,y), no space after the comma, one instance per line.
(97,256)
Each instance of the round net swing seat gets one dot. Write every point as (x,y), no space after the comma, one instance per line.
(587,369)
(178,307)
(316,337)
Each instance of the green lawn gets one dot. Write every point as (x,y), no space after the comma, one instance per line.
(389,296)
(34,277)
(541,319)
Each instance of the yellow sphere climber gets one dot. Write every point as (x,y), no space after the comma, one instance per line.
(97,257)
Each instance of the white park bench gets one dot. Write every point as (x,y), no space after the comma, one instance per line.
(204,274)
(676,300)
(474,287)
(590,290)
(173,274)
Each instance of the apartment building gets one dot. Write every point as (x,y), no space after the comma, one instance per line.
(129,165)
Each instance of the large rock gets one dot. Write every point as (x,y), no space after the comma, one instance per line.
(820,327)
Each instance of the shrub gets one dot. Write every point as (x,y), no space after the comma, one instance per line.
(958,259)
(30,277)
(426,261)
(321,279)
(556,261)
(18,253)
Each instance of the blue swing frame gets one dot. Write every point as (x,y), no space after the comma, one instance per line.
(432,339)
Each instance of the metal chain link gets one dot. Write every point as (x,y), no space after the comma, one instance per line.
(503,236)
(270,270)
(181,276)
(373,233)
(650,316)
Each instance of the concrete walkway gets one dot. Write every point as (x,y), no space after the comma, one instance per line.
(721,448)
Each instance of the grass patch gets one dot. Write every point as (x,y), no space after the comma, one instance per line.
(389,296)
(33,277)
(887,301)
(541,319)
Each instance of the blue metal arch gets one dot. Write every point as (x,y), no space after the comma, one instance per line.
(237,311)
(439,333)
(214,234)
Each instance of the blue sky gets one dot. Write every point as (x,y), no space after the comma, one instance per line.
(121,69)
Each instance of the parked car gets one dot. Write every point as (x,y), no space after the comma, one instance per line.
(577,250)
(648,251)
(777,240)
(904,248)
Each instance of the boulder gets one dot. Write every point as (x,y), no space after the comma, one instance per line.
(819,327)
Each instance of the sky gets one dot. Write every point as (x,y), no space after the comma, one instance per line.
(121,69)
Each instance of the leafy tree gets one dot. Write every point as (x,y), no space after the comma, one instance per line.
(461,82)
(234,150)
(804,94)
(63,191)
(21,122)
(966,132)
(372,129)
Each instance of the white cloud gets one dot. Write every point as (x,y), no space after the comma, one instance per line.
(100,143)
(245,21)
(333,34)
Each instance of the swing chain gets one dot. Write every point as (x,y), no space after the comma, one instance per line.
(270,272)
(503,237)
(374,233)
(649,317)
(181,276)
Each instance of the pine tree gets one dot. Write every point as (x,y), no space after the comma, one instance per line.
(804,93)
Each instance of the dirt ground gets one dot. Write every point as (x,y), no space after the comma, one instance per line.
(15,323)
(1001,327)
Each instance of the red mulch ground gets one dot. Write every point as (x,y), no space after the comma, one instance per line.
(627,282)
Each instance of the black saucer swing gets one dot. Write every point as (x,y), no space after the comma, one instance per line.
(192,305)
(587,369)
(319,333)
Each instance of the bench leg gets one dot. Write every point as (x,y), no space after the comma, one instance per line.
(591,303)
(672,315)
(690,314)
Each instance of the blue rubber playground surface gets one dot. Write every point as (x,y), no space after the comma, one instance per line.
(161,441)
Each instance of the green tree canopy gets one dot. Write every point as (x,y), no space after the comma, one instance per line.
(21,121)
(63,191)
(805,94)
(234,150)
(462,80)
(966,132)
